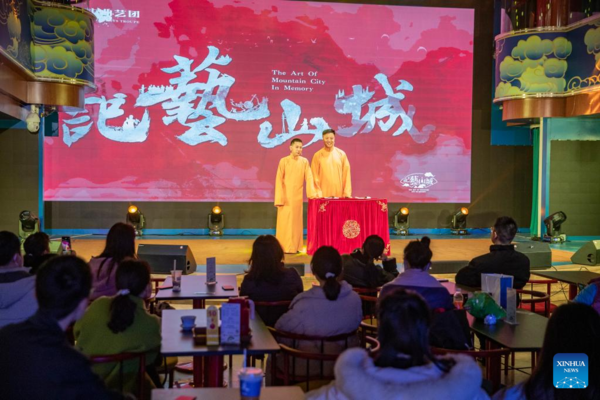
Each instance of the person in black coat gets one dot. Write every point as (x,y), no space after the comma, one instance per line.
(502,258)
(269,280)
(360,269)
(36,360)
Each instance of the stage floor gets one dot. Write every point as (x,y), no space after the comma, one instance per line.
(233,253)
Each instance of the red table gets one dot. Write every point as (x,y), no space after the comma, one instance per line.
(346,223)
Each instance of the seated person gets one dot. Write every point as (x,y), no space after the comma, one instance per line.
(502,258)
(417,260)
(405,367)
(120,244)
(36,360)
(37,250)
(360,269)
(17,285)
(121,324)
(268,280)
(330,309)
(572,328)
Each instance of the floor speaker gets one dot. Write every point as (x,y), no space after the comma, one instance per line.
(539,254)
(162,258)
(588,254)
(299,267)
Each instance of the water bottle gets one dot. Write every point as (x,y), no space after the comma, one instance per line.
(458,299)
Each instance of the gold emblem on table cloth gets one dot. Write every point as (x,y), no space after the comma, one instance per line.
(323,207)
(351,229)
(383,206)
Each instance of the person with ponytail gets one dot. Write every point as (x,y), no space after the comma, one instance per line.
(120,244)
(417,260)
(360,268)
(121,324)
(329,309)
(37,251)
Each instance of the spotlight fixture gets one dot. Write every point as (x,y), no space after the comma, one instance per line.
(553,224)
(28,224)
(136,218)
(216,222)
(459,222)
(401,221)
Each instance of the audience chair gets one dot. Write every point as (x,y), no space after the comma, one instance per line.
(548,283)
(493,361)
(288,373)
(537,302)
(369,307)
(372,345)
(120,358)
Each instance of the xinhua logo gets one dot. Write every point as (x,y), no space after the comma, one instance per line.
(570,371)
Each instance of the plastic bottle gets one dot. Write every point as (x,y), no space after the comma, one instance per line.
(458,299)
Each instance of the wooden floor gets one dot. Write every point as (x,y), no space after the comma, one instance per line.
(237,251)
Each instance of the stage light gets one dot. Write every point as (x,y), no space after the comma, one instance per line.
(459,222)
(401,221)
(553,224)
(28,224)
(136,218)
(216,222)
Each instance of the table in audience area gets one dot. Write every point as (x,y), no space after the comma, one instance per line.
(346,223)
(174,342)
(266,393)
(194,287)
(573,278)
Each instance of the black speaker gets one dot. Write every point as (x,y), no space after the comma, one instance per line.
(162,257)
(588,254)
(299,267)
(447,267)
(539,254)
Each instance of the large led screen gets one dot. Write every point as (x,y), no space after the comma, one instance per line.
(197,100)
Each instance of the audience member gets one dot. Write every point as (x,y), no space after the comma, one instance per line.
(17,286)
(590,295)
(417,260)
(360,269)
(37,250)
(268,280)
(36,361)
(330,309)
(404,368)
(120,244)
(121,324)
(572,328)
(502,258)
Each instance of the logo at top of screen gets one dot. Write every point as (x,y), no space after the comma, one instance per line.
(419,182)
(106,15)
(570,371)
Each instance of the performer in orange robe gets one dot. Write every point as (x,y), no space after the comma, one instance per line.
(331,169)
(293,170)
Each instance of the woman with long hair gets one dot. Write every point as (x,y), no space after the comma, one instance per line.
(404,368)
(572,328)
(267,279)
(121,324)
(329,309)
(361,268)
(37,251)
(120,244)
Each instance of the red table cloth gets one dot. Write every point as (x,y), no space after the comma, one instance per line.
(346,223)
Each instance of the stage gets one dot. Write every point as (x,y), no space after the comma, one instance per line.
(233,252)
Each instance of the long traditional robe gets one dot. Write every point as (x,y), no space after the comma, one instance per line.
(331,171)
(289,183)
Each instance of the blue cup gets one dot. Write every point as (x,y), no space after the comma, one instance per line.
(250,383)
(188,322)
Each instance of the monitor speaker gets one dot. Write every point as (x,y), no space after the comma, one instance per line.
(162,257)
(588,254)
(539,254)
(299,267)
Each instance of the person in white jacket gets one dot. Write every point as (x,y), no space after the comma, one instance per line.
(404,368)
(330,309)
(17,285)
